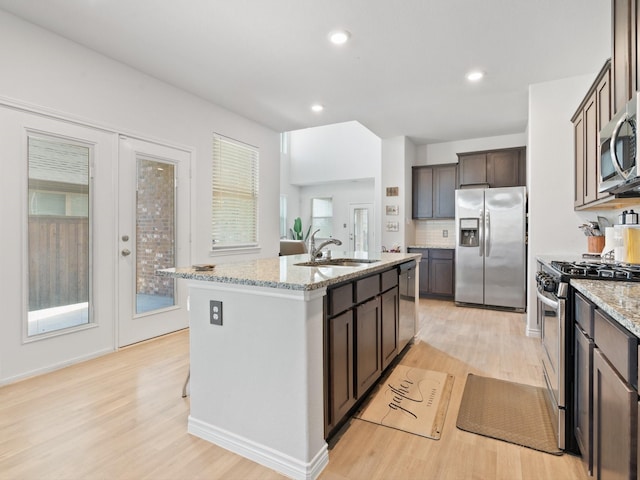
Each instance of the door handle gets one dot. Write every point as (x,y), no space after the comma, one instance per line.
(126,252)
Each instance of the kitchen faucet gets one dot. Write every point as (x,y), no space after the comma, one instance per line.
(314,252)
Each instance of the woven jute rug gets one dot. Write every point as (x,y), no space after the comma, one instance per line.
(412,400)
(508,411)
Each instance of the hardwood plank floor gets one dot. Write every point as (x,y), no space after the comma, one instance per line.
(121,416)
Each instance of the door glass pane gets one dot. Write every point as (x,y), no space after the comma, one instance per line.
(155,234)
(59,272)
(361,229)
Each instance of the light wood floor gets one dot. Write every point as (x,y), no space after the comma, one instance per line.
(121,416)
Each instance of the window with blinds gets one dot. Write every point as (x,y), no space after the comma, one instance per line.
(322,216)
(235,194)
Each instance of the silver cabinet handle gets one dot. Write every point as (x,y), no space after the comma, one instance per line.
(487,234)
(481,233)
(126,252)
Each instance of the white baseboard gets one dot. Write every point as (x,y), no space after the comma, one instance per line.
(56,366)
(267,456)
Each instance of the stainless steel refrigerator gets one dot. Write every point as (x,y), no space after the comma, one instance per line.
(491,234)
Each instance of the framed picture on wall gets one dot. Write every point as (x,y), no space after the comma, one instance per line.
(392,209)
(392,226)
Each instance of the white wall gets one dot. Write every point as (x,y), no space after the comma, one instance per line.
(446,152)
(343,194)
(333,153)
(329,156)
(553,224)
(52,73)
(398,154)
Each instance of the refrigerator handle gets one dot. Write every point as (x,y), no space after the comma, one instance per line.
(487,234)
(481,233)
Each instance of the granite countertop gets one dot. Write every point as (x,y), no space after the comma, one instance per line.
(434,245)
(281,272)
(620,300)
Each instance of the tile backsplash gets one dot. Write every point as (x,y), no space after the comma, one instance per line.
(432,233)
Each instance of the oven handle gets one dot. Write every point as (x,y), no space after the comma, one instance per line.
(546,300)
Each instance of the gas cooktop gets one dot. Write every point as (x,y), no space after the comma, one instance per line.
(598,270)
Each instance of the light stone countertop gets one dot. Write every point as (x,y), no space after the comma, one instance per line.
(282,273)
(434,245)
(620,300)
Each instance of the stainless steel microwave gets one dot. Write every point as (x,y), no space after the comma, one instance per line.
(618,153)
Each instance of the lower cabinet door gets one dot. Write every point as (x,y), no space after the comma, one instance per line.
(583,396)
(341,392)
(390,325)
(368,344)
(441,276)
(614,422)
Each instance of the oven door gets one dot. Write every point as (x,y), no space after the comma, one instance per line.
(551,311)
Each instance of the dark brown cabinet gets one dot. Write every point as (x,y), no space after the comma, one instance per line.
(614,422)
(624,48)
(495,168)
(368,343)
(605,393)
(433,193)
(390,325)
(593,113)
(441,269)
(437,267)
(583,396)
(361,340)
(340,364)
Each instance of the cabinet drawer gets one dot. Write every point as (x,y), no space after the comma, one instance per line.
(584,314)
(441,254)
(367,288)
(618,345)
(389,279)
(340,299)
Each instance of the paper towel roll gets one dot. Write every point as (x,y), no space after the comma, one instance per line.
(609,240)
(620,251)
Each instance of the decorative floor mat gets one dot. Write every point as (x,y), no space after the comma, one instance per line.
(412,400)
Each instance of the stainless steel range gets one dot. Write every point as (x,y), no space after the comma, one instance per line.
(555,317)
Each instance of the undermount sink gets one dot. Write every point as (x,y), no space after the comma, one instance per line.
(338,262)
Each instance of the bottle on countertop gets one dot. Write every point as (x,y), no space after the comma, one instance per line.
(631,218)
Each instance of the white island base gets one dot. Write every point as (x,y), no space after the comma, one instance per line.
(257,380)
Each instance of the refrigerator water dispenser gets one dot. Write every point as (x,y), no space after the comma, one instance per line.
(469,232)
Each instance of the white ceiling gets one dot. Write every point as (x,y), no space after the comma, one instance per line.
(402,73)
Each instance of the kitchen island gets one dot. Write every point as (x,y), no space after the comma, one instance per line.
(257,355)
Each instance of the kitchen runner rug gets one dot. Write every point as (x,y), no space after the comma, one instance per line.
(412,400)
(508,411)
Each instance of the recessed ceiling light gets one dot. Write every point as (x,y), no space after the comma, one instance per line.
(317,107)
(339,37)
(475,75)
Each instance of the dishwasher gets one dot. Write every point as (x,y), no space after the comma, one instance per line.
(408,307)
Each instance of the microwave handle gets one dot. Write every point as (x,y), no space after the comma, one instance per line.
(612,145)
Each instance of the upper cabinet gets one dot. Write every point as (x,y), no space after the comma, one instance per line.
(594,112)
(434,190)
(495,168)
(624,43)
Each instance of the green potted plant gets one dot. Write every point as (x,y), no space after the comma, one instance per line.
(296,231)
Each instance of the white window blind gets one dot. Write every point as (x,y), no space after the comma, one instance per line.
(235,194)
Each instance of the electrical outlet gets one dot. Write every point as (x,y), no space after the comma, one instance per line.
(215,312)
(445,233)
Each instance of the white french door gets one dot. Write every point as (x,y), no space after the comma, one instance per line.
(360,227)
(58,220)
(153,233)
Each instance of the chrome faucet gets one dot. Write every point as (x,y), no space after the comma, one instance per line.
(316,252)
